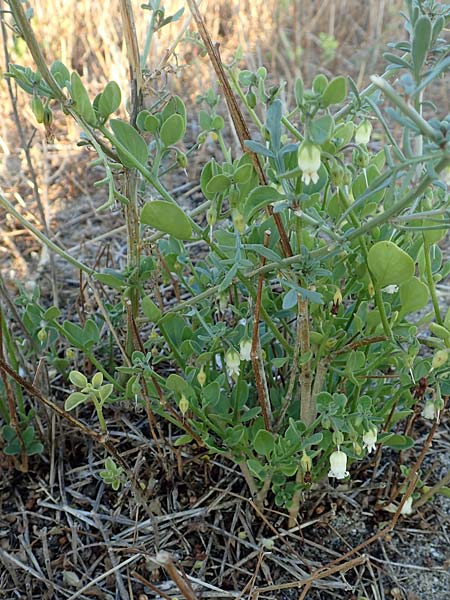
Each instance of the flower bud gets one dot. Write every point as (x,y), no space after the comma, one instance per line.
(251,99)
(183,405)
(238,221)
(439,359)
(305,462)
(201,377)
(38,109)
(48,116)
(338,438)
(42,335)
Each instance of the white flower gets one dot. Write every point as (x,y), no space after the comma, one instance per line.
(245,348)
(370,439)
(309,162)
(232,362)
(429,410)
(407,508)
(338,464)
(363,132)
(390,289)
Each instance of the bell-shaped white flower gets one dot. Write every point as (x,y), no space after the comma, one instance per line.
(245,349)
(338,465)
(429,411)
(363,132)
(370,439)
(232,362)
(309,162)
(407,508)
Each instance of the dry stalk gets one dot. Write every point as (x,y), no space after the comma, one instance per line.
(164,559)
(308,408)
(240,125)
(256,354)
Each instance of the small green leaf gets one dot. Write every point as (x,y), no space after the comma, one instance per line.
(150,309)
(78,379)
(335,92)
(218,184)
(396,441)
(243,173)
(389,264)
(264,443)
(61,73)
(167,217)
(321,129)
(110,99)
(298,91)
(133,142)
(414,295)
(51,314)
(175,383)
(74,400)
(172,130)
(183,440)
(81,98)
(420,43)
(106,391)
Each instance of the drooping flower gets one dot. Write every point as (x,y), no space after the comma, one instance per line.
(338,465)
(407,508)
(245,349)
(439,359)
(232,362)
(429,410)
(363,132)
(370,439)
(309,162)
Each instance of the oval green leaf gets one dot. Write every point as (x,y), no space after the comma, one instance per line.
(80,96)
(172,130)
(133,142)
(167,217)
(389,264)
(335,92)
(109,100)
(218,184)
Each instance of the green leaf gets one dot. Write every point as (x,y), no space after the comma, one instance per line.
(389,264)
(256,469)
(298,91)
(150,309)
(414,295)
(218,184)
(183,440)
(74,400)
(110,99)
(433,236)
(174,106)
(258,148)
(177,384)
(264,443)
(335,92)
(259,198)
(133,142)
(80,96)
(61,73)
(106,391)
(321,129)
(78,379)
(243,173)
(145,121)
(420,43)
(114,279)
(167,217)
(172,130)
(51,314)
(396,441)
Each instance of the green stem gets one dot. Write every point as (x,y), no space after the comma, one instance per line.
(384,320)
(101,418)
(430,281)
(149,35)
